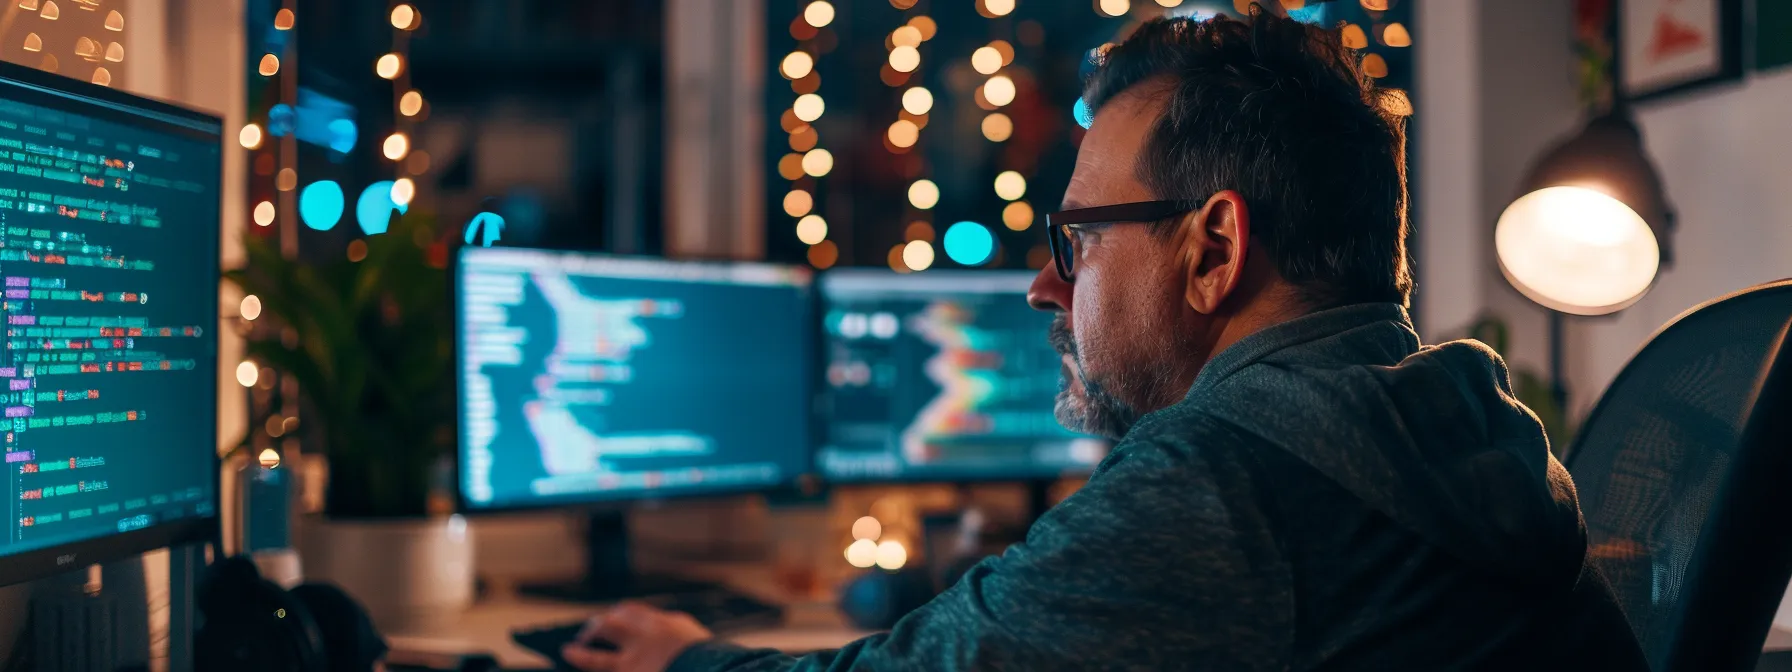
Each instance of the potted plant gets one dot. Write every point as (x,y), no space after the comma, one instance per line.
(368,339)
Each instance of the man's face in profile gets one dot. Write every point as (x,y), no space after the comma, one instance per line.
(1119,322)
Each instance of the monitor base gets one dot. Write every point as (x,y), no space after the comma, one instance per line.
(587,591)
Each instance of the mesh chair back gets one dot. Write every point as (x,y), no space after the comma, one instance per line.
(1676,472)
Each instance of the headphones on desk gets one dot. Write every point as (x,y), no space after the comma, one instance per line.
(251,623)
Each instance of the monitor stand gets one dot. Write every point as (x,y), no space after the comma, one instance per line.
(609,572)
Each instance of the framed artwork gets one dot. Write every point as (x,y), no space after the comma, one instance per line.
(1670,46)
(1773,34)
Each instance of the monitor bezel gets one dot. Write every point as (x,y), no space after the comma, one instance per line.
(463,506)
(927,477)
(49,561)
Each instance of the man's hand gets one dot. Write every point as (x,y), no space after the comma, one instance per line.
(647,639)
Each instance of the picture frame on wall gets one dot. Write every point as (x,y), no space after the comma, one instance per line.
(1668,47)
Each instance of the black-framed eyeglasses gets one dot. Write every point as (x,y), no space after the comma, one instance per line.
(1059,226)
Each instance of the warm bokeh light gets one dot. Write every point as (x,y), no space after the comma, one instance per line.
(862,553)
(250,136)
(1010,185)
(811,229)
(1116,7)
(282,19)
(115,52)
(247,373)
(404,17)
(388,66)
(410,103)
(924,194)
(917,255)
(817,162)
(906,36)
(33,42)
(357,250)
(1375,5)
(264,213)
(891,556)
(809,106)
(986,60)
(905,59)
(287,180)
(102,76)
(902,4)
(269,458)
(809,84)
(904,133)
(1576,250)
(1170,3)
(1395,35)
(917,100)
(797,65)
(918,230)
(867,527)
(804,139)
(819,13)
(1017,216)
(1354,37)
(396,146)
(418,163)
(403,190)
(997,127)
(250,308)
(894,259)
(798,203)
(270,65)
(1005,49)
(822,255)
(999,7)
(999,90)
(1375,66)
(926,25)
(790,167)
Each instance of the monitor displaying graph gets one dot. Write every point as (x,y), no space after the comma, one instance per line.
(109,225)
(589,378)
(943,375)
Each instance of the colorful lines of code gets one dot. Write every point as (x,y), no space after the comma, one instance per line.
(108,287)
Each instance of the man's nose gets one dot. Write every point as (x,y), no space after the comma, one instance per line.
(1049,292)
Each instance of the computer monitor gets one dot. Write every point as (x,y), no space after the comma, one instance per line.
(586,378)
(941,376)
(109,222)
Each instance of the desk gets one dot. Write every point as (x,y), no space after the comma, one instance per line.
(485,628)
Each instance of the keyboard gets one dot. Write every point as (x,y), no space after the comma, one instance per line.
(721,611)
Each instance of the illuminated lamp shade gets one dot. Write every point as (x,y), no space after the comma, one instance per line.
(969,244)
(923,194)
(1593,226)
(320,204)
(819,14)
(373,210)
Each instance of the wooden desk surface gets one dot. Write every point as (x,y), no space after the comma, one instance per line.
(485,628)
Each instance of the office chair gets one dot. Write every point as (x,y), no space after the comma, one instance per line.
(1682,470)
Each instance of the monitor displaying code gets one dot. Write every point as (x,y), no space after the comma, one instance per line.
(109,219)
(943,375)
(590,378)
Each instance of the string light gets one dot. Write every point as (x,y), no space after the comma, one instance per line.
(403,190)
(817,162)
(907,36)
(823,254)
(894,259)
(404,17)
(1375,66)
(923,194)
(918,230)
(998,7)
(798,203)
(811,229)
(287,180)
(891,556)
(997,127)
(917,255)
(282,20)
(250,307)
(904,133)
(819,14)
(797,65)
(1005,49)
(264,213)
(1116,7)
(357,250)
(1395,35)
(388,66)
(905,59)
(1017,216)
(867,527)
(917,100)
(986,60)
(999,90)
(1010,185)
(247,373)
(809,106)
(410,103)
(250,137)
(270,65)
(926,25)
(396,146)
(861,554)
(1352,35)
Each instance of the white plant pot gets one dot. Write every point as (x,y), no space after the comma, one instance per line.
(413,576)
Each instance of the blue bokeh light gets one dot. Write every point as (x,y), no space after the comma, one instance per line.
(969,243)
(280,120)
(487,227)
(1081,112)
(373,210)
(343,135)
(320,204)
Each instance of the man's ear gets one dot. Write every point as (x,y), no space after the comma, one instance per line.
(1213,250)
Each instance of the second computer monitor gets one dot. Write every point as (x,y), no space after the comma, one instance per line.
(944,376)
(587,378)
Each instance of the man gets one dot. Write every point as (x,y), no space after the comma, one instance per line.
(1298,483)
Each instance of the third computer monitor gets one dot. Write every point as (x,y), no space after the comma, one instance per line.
(941,376)
(587,378)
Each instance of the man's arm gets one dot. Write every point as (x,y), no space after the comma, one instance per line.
(1163,560)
